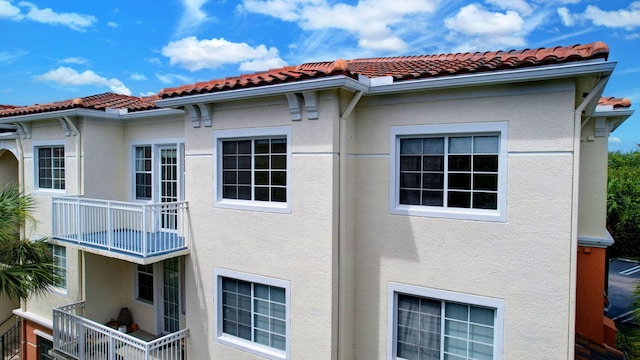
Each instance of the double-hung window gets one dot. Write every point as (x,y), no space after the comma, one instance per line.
(143,172)
(449,170)
(252,313)
(144,282)
(428,324)
(59,256)
(253,168)
(50,167)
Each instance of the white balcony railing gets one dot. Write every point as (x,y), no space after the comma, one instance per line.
(141,230)
(83,339)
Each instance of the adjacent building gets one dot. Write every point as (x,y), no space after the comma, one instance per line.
(421,207)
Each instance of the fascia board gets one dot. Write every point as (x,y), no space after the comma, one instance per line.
(332,82)
(491,78)
(88,113)
(613,113)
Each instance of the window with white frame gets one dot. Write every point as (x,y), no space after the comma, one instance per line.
(253,168)
(252,313)
(436,324)
(144,283)
(143,172)
(59,256)
(50,167)
(449,170)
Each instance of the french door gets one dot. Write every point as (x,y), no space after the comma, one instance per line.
(169,186)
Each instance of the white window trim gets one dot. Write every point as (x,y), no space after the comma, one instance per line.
(221,135)
(392,321)
(136,295)
(36,173)
(155,144)
(57,289)
(242,344)
(397,132)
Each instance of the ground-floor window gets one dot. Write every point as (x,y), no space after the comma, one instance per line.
(44,345)
(429,324)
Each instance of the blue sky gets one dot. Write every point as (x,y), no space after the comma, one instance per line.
(57,50)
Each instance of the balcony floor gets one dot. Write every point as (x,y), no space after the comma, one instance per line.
(129,242)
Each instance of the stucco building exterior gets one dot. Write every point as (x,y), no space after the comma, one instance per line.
(389,208)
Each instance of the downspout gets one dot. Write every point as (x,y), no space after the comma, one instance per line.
(573,270)
(342,213)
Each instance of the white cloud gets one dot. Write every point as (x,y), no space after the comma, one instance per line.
(520,6)
(9,57)
(74,21)
(615,140)
(192,17)
(376,23)
(112,24)
(148,93)
(8,10)
(68,76)
(193,54)
(153,61)
(138,77)
(624,18)
(173,78)
(565,16)
(74,60)
(488,28)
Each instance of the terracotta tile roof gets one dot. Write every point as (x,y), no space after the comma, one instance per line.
(587,349)
(615,102)
(2,107)
(401,68)
(96,102)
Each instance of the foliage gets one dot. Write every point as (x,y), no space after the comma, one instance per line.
(26,267)
(623,203)
(628,340)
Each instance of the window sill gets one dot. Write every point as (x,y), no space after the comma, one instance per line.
(460,214)
(49,192)
(256,349)
(264,206)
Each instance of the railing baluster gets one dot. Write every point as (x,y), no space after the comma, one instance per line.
(110,229)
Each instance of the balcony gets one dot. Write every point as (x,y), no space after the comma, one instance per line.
(141,233)
(75,337)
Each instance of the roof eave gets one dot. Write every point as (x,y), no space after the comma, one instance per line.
(101,114)
(330,82)
(573,69)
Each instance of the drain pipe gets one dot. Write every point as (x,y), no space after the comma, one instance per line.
(342,216)
(577,124)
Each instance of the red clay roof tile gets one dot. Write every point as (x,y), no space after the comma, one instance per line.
(401,68)
(615,102)
(96,102)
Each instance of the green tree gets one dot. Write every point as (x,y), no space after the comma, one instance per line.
(26,267)
(623,203)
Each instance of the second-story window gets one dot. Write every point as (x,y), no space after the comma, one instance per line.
(253,169)
(50,167)
(143,173)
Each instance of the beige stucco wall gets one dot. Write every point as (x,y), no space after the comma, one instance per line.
(523,261)
(297,247)
(592,217)
(8,168)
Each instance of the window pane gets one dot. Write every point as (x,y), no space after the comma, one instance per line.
(433,146)
(229,147)
(409,180)
(485,201)
(485,182)
(244,192)
(485,144)
(433,163)
(480,351)
(279,194)
(457,311)
(244,162)
(459,199)
(433,181)
(410,163)
(244,147)
(279,178)
(279,146)
(459,163)
(262,162)
(456,328)
(261,291)
(410,197)
(278,342)
(485,163)
(460,145)
(262,146)
(411,146)
(278,162)
(460,181)
(432,198)
(262,178)
(277,294)
(261,194)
